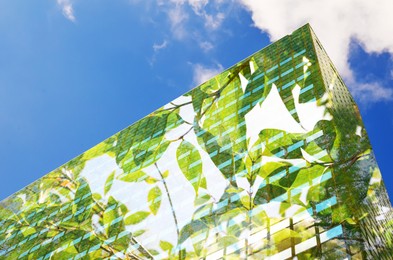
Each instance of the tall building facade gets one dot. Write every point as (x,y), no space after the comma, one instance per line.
(267,160)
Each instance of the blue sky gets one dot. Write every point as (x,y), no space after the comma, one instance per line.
(73,73)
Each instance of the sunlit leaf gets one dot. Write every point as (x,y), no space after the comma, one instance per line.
(190,163)
(165,245)
(136,218)
(192,228)
(83,199)
(7,214)
(123,242)
(131,157)
(150,180)
(230,214)
(97,150)
(227,241)
(153,252)
(154,199)
(165,174)
(97,196)
(123,208)
(111,215)
(84,243)
(28,231)
(201,199)
(224,108)
(267,193)
(246,201)
(133,177)
(283,238)
(138,232)
(109,182)
(350,221)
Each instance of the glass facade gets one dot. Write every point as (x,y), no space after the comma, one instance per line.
(269,159)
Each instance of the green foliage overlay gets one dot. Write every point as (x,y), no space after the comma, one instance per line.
(195,179)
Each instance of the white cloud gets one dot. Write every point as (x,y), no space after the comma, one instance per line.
(204,73)
(371,92)
(336,23)
(213,22)
(67,9)
(198,5)
(178,13)
(157,47)
(207,46)
(177,17)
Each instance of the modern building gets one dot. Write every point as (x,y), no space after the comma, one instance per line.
(269,159)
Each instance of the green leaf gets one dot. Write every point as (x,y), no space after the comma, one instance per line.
(154,199)
(198,97)
(210,144)
(69,253)
(165,174)
(138,232)
(109,182)
(230,214)
(83,199)
(28,231)
(132,135)
(190,163)
(350,221)
(6,213)
(285,234)
(339,213)
(151,180)
(122,243)
(108,217)
(52,233)
(317,193)
(153,252)
(267,193)
(228,97)
(136,217)
(111,214)
(192,228)
(148,134)
(227,241)
(81,246)
(133,177)
(99,149)
(166,246)
(272,168)
(246,201)
(201,199)
(69,224)
(97,196)
(123,208)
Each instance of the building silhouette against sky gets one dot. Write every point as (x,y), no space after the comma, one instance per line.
(270,158)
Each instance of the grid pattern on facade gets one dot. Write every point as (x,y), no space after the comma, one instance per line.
(268,159)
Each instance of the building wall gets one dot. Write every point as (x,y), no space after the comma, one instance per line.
(267,159)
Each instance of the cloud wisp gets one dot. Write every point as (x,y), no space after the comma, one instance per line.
(203,73)
(336,23)
(157,47)
(178,17)
(373,92)
(67,9)
(206,46)
(194,19)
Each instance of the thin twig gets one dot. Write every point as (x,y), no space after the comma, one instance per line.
(170,201)
(182,136)
(142,249)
